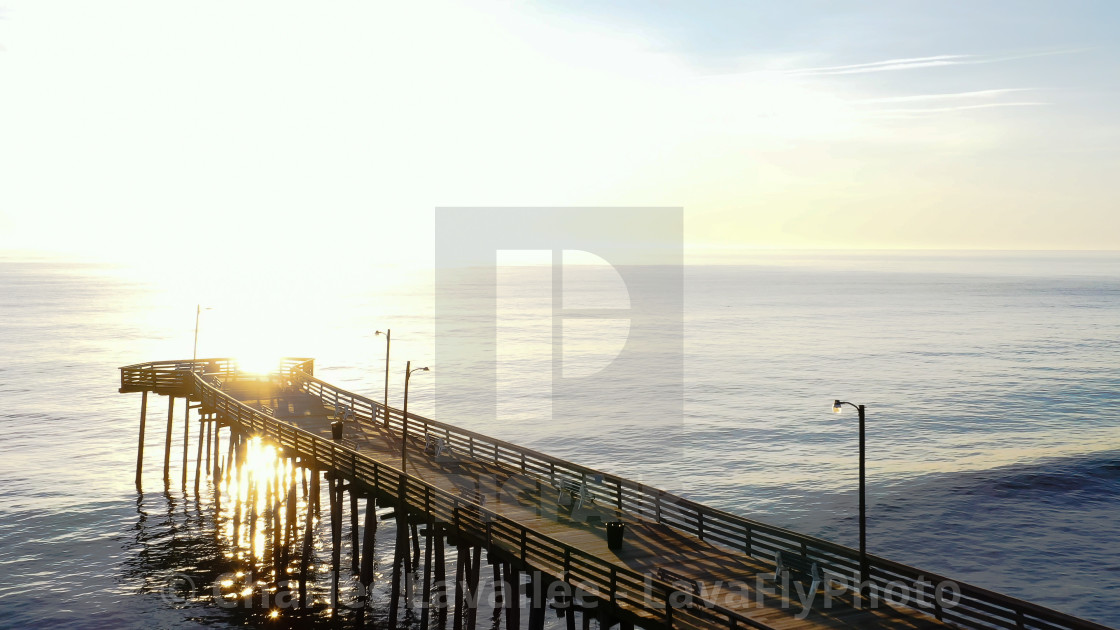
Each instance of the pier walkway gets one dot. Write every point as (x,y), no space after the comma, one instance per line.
(681,564)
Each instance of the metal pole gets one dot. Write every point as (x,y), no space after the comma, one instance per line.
(404,429)
(385,404)
(194,355)
(863,568)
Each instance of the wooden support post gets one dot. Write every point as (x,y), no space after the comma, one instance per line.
(140,448)
(537,603)
(570,612)
(355,547)
(426,600)
(460,568)
(198,454)
(215,472)
(186,436)
(400,550)
(231,464)
(252,516)
(409,567)
(476,572)
(415,547)
(369,536)
(335,490)
(209,433)
(499,590)
(277,537)
(316,495)
(305,558)
(513,609)
(167,441)
(440,576)
(289,528)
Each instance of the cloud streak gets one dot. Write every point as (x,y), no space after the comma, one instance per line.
(913,63)
(885,66)
(948,96)
(920,111)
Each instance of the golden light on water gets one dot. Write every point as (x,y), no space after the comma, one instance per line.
(254,508)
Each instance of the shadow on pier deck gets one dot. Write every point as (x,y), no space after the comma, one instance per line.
(541,521)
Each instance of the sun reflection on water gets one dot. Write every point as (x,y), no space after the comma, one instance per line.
(254,521)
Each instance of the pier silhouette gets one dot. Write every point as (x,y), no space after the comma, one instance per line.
(542,521)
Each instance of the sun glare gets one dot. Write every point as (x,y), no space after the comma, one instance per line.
(258,362)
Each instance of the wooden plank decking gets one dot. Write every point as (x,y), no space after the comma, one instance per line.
(647,546)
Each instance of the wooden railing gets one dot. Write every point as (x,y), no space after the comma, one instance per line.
(627,589)
(170,376)
(970,606)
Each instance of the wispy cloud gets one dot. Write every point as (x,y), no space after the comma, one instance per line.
(921,111)
(912,63)
(887,65)
(949,96)
(950,102)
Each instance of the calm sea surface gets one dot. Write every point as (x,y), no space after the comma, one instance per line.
(991,383)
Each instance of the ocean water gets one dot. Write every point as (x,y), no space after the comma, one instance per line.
(990,380)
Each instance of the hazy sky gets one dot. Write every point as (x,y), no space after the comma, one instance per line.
(244,131)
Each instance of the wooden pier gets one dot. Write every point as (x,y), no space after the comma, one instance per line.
(542,522)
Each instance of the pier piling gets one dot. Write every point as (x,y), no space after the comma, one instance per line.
(355,547)
(186,437)
(369,535)
(167,441)
(140,448)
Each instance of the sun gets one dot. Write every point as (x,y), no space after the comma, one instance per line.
(257,362)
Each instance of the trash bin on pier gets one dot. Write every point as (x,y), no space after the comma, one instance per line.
(615,530)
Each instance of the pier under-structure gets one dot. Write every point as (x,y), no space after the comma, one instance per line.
(541,520)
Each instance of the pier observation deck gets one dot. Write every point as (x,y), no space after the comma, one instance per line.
(681,564)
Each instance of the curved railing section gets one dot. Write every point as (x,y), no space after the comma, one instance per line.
(971,606)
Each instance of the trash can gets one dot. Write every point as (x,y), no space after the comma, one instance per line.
(615,530)
(336,430)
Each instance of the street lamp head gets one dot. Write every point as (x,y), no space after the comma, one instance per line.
(377,332)
(836,407)
(425,369)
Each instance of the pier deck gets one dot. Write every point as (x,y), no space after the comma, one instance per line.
(648,546)
(681,565)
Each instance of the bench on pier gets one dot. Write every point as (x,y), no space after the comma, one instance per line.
(440,450)
(344,413)
(267,410)
(214,381)
(678,581)
(582,505)
(797,567)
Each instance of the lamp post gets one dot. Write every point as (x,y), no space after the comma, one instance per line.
(408,370)
(197,314)
(864,572)
(388,340)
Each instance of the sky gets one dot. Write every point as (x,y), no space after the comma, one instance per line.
(254,131)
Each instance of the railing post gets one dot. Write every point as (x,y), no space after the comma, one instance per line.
(614,585)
